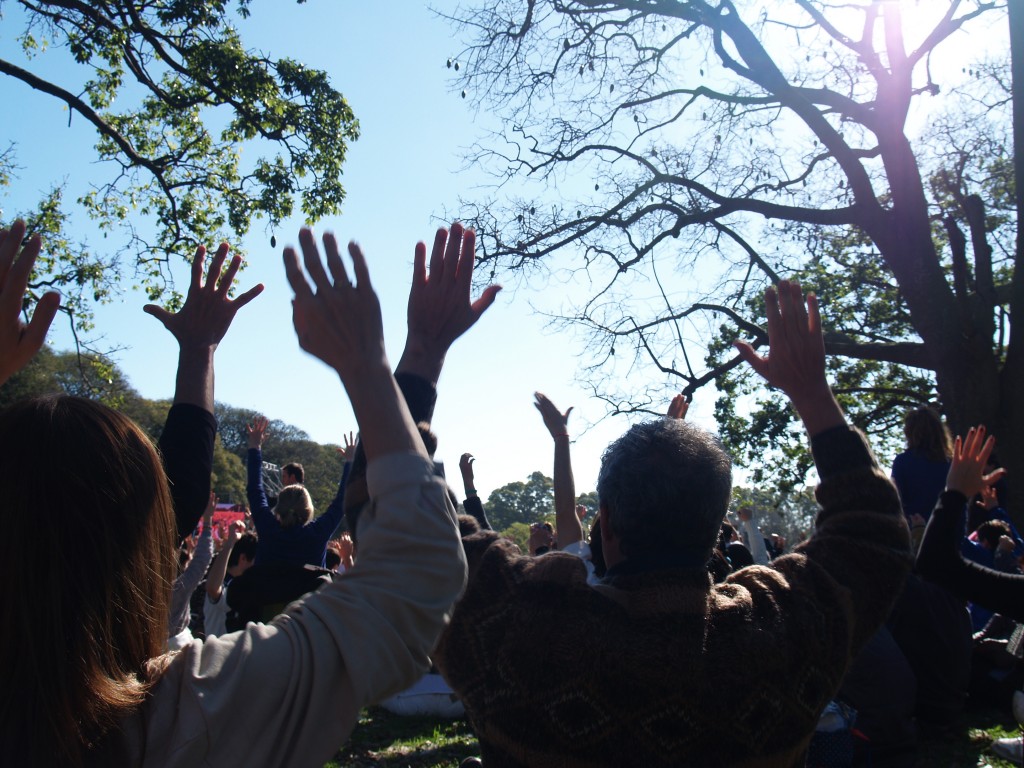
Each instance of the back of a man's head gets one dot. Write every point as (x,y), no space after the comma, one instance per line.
(665,486)
(292,473)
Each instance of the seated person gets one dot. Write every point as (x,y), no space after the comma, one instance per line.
(654,665)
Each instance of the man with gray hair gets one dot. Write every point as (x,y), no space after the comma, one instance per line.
(654,665)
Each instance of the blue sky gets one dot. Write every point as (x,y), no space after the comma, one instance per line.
(388,59)
(406,170)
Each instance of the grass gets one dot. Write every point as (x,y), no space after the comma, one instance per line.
(388,741)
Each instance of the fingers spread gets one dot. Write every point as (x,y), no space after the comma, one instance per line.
(216,266)
(754,360)
(10,242)
(359,267)
(224,285)
(437,253)
(334,262)
(158,312)
(248,296)
(197,268)
(311,258)
(453,251)
(466,260)
(42,317)
(296,279)
(17,274)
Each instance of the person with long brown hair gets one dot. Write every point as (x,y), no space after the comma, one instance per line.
(88,553)
(920,471)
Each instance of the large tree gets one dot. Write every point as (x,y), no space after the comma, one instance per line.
(685,153)
(174,96)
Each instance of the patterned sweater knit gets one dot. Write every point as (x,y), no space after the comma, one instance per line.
(658,666)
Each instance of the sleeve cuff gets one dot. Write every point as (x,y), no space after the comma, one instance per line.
(839,450)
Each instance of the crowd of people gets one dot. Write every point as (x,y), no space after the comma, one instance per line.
(673,632)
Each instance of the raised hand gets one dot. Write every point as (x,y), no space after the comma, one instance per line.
(257,431)
(440,309)
(20,342)
(678,407)
(348,447)
(556,421)
(795,362)
(745,514)
(207,313)
(990,497)
(466,467)
(967,468)
(235,531)
(339,322)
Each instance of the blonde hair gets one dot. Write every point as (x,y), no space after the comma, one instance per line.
(294,506)
(86,560)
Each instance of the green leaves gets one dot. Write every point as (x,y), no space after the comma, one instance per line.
(177,99)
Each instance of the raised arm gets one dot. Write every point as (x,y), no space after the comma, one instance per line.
(199,326)
(262,517)
(861,539)
(678,407)
(440,309)
(20,342)
(472,504)
(339,323)
(940,559)
(567,522)
(796,359)
(201,323)
(219,568)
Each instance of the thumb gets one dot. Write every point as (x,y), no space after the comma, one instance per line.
(158,312)
(754,360)
(566,414)
(486,299)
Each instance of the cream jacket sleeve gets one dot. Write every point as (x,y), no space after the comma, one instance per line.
(289,693)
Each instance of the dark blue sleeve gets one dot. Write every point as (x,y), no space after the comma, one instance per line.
(258,504)
(186,447)
(331,518)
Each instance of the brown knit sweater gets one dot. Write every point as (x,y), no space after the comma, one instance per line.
(663,668)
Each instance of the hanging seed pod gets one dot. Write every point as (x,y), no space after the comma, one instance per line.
(456,66)
(273,241)
(449,63)
(463,94)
